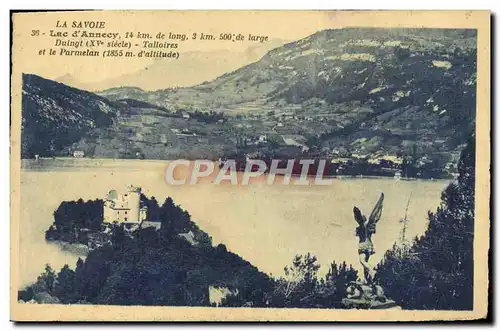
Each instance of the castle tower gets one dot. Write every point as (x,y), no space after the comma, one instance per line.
(109,214)
(133,198)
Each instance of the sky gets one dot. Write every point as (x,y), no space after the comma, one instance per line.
(284,25)
(289,26)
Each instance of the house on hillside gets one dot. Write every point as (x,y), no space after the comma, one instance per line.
(359,156)
(78,154)
(187,132)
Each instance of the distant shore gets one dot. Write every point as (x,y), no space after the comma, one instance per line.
(28,165)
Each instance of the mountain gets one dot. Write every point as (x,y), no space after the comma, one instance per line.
(55,115)
(389,88)
(58,119)
(353,91)
(341,65)
(70,80)
(191,68)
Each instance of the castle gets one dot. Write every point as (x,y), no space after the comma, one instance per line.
(129,210)
(124,208)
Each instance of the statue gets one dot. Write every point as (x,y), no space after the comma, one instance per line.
(367,294)
(364,231)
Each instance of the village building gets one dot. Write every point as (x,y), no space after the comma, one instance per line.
(341,160)
(187,132)
(359,156)
(392,158)
(78,154)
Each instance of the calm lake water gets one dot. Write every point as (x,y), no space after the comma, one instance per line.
(265,224)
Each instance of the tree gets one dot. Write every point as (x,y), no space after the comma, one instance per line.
(297,288)
(153,207)
(336,281)
(65,286)
(174,219)
(436,272)
(45,281)
(118,236)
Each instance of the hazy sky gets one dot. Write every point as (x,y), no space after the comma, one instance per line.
(285,25)
(289,26)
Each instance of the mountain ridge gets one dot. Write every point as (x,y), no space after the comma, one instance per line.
(358,90)
(192,68)
(55,115)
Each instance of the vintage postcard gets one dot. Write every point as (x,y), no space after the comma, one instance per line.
(250,165)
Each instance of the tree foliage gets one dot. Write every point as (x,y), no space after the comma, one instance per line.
(300,287)
(150,267)
(436,272)
(71,217)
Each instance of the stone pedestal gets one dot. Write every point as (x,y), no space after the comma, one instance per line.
(366,296)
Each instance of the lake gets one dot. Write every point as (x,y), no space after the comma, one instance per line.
(265,224)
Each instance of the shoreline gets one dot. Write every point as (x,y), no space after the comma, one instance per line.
(94,162)
(75,248)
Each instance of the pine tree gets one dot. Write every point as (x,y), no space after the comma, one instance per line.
(437,271)
(65,287)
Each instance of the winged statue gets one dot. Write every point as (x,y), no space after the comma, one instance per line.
(364,231)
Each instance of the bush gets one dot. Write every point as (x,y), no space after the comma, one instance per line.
(300,287)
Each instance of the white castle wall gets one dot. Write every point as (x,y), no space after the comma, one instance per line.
(123,207)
